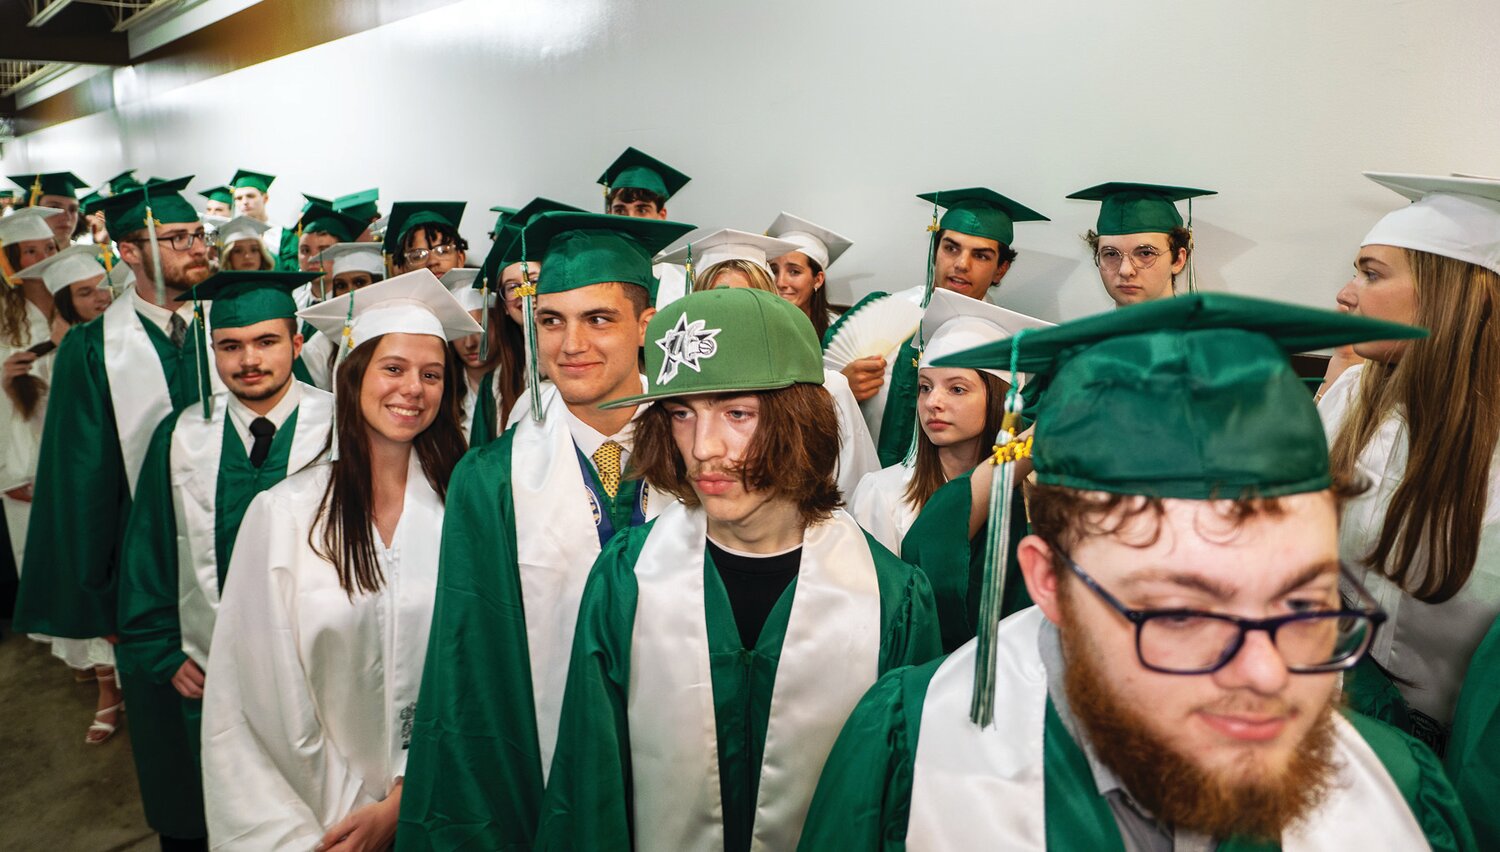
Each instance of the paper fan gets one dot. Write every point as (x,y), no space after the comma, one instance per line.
(876,327)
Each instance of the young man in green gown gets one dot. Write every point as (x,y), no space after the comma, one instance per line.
(200,475)
(1176,685)
(720,648)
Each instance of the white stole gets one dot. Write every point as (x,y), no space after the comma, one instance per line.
(978,788)
(197,447)
(556,545)
(830,656)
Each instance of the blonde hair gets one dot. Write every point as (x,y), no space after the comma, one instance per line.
(759,278)
(1445,387)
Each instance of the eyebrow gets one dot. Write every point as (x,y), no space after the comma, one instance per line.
(1221,591)
(1370,259)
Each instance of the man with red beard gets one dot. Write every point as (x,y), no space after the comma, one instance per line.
(114,380)
(1176,684)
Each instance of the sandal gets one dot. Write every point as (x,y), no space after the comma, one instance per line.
(108,728)
(85,675)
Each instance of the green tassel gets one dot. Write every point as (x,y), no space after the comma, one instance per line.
(200,354)
(931,255)
(161,283)
(688,287)
(533,358)
(484,331)
(345,344)
(1192,273)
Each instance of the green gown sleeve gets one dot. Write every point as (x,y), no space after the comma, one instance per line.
(473,774)
(1419,776)
(863,799)
(898,420)
(908,613)
(588,800)
(80,500)
(1370,692)
(150,632)
(1474,748)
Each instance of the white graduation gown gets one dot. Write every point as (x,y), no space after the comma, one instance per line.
(1426,644)
(879,505)
(310,698)
(315,354)
(857,456)
(673,283)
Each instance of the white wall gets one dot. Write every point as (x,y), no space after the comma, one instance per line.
(842,111)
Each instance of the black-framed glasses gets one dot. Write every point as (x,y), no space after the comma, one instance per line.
(1141,257)
(418,255)
(178,242)
(1190,641)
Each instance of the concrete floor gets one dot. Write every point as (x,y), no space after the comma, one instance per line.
(63,795)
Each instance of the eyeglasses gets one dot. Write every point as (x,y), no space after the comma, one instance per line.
(1141,257)
(419,255)
(1189,641)
(178,242)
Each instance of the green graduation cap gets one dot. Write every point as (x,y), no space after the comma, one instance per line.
(504,214)
(981,212)
(221,194)
(635,169)
(245,298)
(122,182)
(311,201)
(581,249)
(406,215)
(50,183)
(1138,208)
(90,202)
(360,205)
(8,193)
(126,213)
(507,248)
(726,341)
(320,218)
(254,180)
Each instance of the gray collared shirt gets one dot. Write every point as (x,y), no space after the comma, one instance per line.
(1140,831)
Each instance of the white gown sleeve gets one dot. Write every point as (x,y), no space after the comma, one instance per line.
(315,351)
(871,508)
(271,778)
(20,436)
(857,456)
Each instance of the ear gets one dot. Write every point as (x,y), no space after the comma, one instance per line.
(819,279)
(130,253)
(1180,261)
(645,320)
(661,212)
(296,346)
(1042,582)
(1000,271)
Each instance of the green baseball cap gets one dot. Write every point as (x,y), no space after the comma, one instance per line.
(254,180)
(581,249)
(727,341)
(360,205)
(246,298)
(221,194)
(323,219)
(1200,387)
(981,212)
(406,215)
(51,183)
(126,213)
(1138,208)
(636,169)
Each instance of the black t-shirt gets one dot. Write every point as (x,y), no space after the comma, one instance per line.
(754,584)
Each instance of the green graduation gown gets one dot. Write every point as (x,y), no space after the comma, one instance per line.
(864,798)
(589,795)
(1473,757)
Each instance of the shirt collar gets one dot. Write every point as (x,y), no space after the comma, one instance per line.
(278,415)
(589,439)
(158,315)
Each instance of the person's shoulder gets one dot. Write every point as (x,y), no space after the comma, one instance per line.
(301,492)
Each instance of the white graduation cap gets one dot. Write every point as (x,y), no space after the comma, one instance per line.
(460,282)
(240,228)
(28,223)
(67,267)
(212,224)
(1452,216)
(729,244)
(954,323)
(121,277)
(354,257)
(377,229)
(413,303)
(815,241)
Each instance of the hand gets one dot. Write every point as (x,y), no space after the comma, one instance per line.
(865,376)
(372,827)
(18,364)
(189,680)
(23,493)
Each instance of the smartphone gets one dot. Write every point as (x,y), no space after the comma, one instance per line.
(42,348)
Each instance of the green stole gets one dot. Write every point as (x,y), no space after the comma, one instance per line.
(938,543)
(482,427)
(239,482)
(899,418)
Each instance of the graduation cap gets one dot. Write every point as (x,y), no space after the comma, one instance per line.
(254,180)
(981,212)
(635,169)
(1138,208)
(68,267)
(8,193)
(728,244)
(1202,385)
(727,341)
(322,219)
(353,257)
(582,249)
(65,184)
(240,228)
(241,298)
(311,201)
(406,215)
(1451,216)
(360,205)
(504,214)
(817,242)
(955,323)
(24,225)
(412,303)
(126,213)
(507,248)
(122,182)
(220,194)
(461,281)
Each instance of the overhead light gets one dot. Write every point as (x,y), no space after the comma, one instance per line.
(46,13)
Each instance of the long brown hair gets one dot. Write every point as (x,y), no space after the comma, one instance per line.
(817,306)
(12,305)
(508,357)
(927,476)
(1445,387)
(347,511)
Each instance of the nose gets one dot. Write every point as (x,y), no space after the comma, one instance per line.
(961,263)
(1258,666)
(708,444)
(573,339)
(1348,296)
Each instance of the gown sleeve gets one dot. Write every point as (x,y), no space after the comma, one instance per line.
(1419,776)
(272,779)
(150,632)
(1474,748)
(857,456)
(911,633)
(588,800)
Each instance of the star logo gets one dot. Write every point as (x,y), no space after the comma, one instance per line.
(686,344)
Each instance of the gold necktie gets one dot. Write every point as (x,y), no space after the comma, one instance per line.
(607,462)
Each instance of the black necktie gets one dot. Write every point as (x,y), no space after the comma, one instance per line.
(262,429)
(177,329)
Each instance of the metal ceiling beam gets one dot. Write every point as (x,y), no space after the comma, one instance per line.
(70,37)
(47,12)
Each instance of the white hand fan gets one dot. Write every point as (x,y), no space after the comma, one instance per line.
(878,327)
